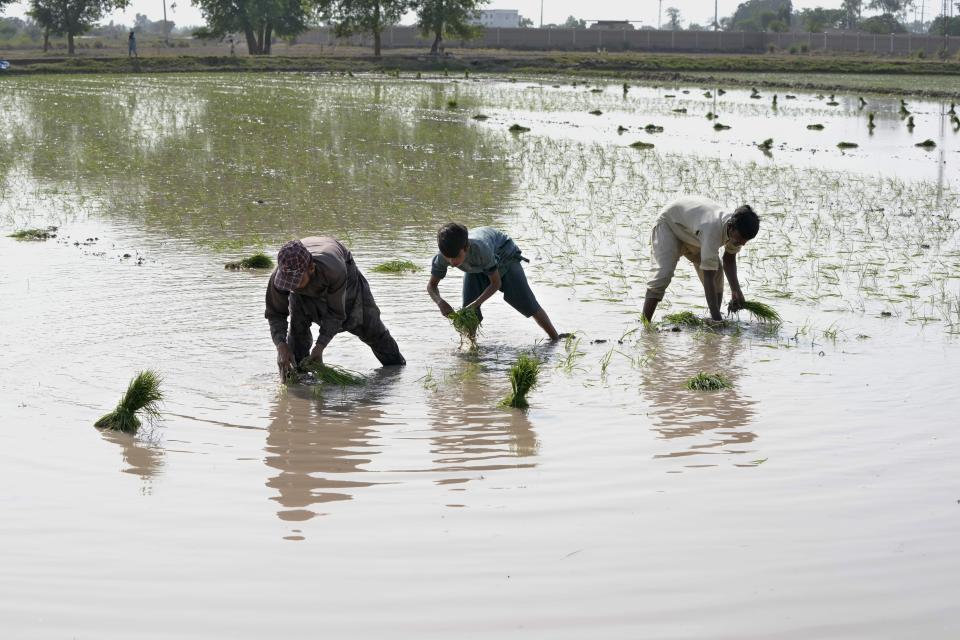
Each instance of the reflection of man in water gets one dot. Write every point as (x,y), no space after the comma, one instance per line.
(696,228)
(316,281)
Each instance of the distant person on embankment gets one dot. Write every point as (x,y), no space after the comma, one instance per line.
(317,281)
(491,262)
(697,228)
(132,45)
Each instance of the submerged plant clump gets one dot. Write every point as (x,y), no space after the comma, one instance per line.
(396,266)
(847,145)
(34,234)
(708,382)
(815,127)
(516,128)
(639,144)
(926,144)
(259,260)
(523,377)
(143,395)
(466,322)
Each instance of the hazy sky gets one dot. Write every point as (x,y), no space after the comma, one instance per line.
(555,11)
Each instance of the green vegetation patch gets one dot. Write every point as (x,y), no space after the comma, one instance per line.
(762,312)
(34,234)
(332,374)
(523,378)
(396,266)
(259,260)
(683,318)
(926,144)
(143,396)
(815,127)
(708,382)
(847,145)
(642,145)
(516,128)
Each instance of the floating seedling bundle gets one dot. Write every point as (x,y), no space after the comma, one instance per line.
(259,260)
(34,234)
(708,382)
(466,322)
(396,266)
(143,396)
(523,378)
(683,318)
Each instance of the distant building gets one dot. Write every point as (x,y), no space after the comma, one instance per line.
(623,25)
(493,18)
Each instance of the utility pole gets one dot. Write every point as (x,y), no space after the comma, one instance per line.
(659,16)
(716,17)
(541,14)
(166,40)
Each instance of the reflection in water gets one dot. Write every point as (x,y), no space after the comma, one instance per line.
(144,458)
(695,423)
(320,448)
(471,433)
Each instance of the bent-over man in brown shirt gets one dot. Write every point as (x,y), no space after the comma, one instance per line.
(316,281)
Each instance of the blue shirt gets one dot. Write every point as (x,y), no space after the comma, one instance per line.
(488,250)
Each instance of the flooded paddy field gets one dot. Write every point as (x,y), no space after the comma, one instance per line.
(815,498)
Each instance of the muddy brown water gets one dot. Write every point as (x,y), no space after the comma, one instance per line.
(817,498)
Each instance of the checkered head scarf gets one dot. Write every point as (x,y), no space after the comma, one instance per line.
(292,261)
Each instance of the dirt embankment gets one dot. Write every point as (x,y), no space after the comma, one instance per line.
(699,68)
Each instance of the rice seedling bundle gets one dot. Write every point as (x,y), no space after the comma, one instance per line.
(926,144)
(466,322)
(143,396)
(720,127)
(762,312)
(596,112)
(815,127)
(684,318)
(766,145)
(847,145)
(708,382)
(642,145)
(259,260)
(516,128)
(523,377)
(396,266)
(332,374)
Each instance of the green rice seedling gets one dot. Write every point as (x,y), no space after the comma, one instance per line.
(683,318)
(926,144)
(708,382)
(332,374)
(774,103)
(680,110)
(596,112)
(622,129)
(653,128)
(766,145)
(762,312)
(953,109)
(523,378)
(847,145)
(452,104)
(707,94)
(910,123)
(720,127)
(466,322)
(870,123)
(516,128)
(833,103)
(143,396)
(712,116)
(815,127)
(396,266)
(259,260)
(642,145)
(626,88)
(480,117)
(571,347)
(34,234)
(863,102)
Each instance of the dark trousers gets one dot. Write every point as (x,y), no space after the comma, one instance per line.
(370,328)
(513,283)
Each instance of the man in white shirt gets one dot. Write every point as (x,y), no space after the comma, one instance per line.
(697,228)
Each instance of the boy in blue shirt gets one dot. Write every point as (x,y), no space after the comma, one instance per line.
(490,261)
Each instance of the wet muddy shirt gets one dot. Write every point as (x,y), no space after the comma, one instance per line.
(488,250)
(702,223)
(331,291)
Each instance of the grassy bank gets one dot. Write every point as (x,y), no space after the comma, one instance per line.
(892,75)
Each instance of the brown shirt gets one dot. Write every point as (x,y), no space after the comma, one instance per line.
(328,295)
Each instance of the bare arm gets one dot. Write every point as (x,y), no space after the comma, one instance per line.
(434,293)
(730,269)
(491,289)
(710,291)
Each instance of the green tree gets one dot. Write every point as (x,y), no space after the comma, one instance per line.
(72,17)
(673,19)
(441,18)
(574,23)
(363,16)
(258,20)
(817,19)
(887,23)
(525,22)
(44,19)
(756,15)
(853,9)
(943,26)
